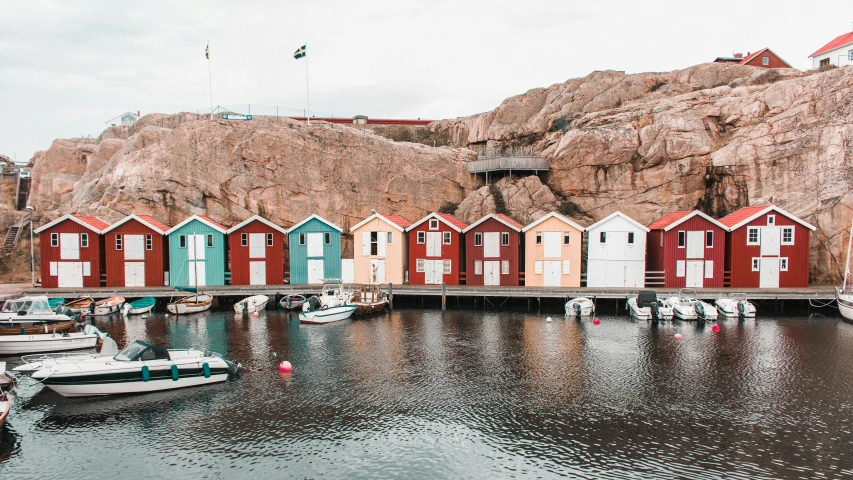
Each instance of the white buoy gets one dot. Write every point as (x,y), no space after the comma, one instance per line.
(167,315)
(548,319)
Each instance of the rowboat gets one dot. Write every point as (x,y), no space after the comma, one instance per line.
(55,341)
(191,304)
(368,298)
(80,304)
(107,306)
(138,307)
(252,304)
(5,406)
(292,302)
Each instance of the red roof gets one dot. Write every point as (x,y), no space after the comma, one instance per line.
(155,223)
(452,220)
(402,222)
(509,221)
(207,219)
(93,222)
(668,219)
(733,219)
(839,41)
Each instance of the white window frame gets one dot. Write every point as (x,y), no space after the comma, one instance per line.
(84,240)
(504,239)
(538,238)
(478,239)
(850,55)
(419,265)
(149,242)
(567,238)
(682,235)
(504,267)
(302,238)
(537,267)
(390,238)
(433,224)
(447,267)
(757,236)
(771,220)
(270,240)
(783,264)
(421,237)
(602,237)
(632,237)
(709,245)
(756,264)
(244,239)
(446,238)
(54,239)
(118,242)
(765,61)
(478,267)
(791,242)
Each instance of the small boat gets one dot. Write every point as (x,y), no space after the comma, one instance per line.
(580,307)
(736,305)
(33,363)
(5,406)
(55,341)
(368,299)
(334,294)
(705,311)
(686,306)
(138,307)
(7,381)
(107,306)
(843,294)
(647,306)
(53,302)
(252,304)
(191,304)
(140,367)
(327,315)
(80,304)
(292,302)
(31,309)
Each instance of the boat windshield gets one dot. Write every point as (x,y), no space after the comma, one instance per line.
(140,350)
(27,305)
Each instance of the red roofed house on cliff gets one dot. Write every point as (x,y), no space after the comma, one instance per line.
(72,251)
(435,249)
(838,52)
(764,58)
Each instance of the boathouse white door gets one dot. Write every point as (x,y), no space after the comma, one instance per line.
(695,247)
(695,272)
(315,272)
(433,244)
(492,272)
(70,274)
(377,270)
(258,273)
(196,269)
(769,276)
(433,271)
(552,272)
(134,274)
(257,247)
(69,246)
(770,239)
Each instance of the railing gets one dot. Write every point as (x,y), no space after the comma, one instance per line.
(508,163)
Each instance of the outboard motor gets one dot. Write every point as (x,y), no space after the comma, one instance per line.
(741,314)
(313,303)
(578,309)
(655,308)
(289,299)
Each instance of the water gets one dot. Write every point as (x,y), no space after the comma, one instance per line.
(421,394)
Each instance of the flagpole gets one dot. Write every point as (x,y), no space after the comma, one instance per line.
(307,95)
(210,79)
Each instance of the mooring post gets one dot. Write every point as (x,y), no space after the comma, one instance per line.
(443,296)
(528,304)
(391,296)
(539,303)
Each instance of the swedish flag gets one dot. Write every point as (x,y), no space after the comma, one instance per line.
(207,52)
(300,52)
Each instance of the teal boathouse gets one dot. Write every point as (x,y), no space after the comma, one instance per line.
(196,251)
(315,251)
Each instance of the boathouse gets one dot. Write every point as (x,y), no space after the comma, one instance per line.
(136,252)
(552,252)
(380,249)
(616,252)
(689,248)
(72,250)
(256,250)
(196,253)
(767,247)
(435,249)
(493,251)
(315,251)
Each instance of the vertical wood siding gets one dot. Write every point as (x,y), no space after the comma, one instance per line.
(91,254)
(665,258)
(299,253)
(155,259)
(450,252)
(630,257)
(740,255)
(214,257)
(395,253)
(240,271)
(571,252)
(513,252)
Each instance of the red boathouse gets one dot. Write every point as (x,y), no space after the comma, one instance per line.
(689,247)
(256,248)
(493,251)
(136,252)
(72,251)
(435,250)
(767,247)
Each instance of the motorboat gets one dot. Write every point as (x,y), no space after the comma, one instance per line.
(139,307)
(368,299)
(138,368)
(334,294)
(33,309)
(647,306)
(55,341)
(313,312)
(736,305)
(684,306)
(54,302)
(107,306)
(80,305)
(292,302)
(191,304)
(580,307)
(844,294)
(35,362)
(705,311)
(252,304)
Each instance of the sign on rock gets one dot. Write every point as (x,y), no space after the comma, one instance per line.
(235,116)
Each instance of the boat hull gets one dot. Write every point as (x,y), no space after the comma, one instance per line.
(21,344)
(43,328)
(5,407)
(369,307)
(183,306)
(845,307)
(135,386)
(587,308)
(140,311)
(251,304)
(328,315)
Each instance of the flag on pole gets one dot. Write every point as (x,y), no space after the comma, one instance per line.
(207,52)
(300,52)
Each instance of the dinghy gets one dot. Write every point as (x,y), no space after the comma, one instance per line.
(369,299)
(252,304)
(138,307)
(107,306)
(580,307)
(191,304)
(80,304)
(292,302)
(5,406)
(55,341)
(736,305)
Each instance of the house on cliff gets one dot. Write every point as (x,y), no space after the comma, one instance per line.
(380,249)
(552,256)
(689,247)
(764,58)
(494,253)
(435,250)
(72,252)
(315,251)
(616,252)
(256,251)
(136,252)
(197,253)
(838,52)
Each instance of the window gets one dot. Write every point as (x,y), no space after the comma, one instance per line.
(756,264)
(752,236)
(478,239)
(765,61)
(271,240)
(182,241)
(421,237)
(419,267)
(446,239)
(244,239)
(787,235)
(823,62)
(504,267)
(679,268)
(850,55)
(682,238)
(537,267)
(302,239)
(709,239)
(567,238)
(327,238)
(84,239)
(374,243)
(447,267)
(390,237)
(54,239)
(209,240)
(505,238)
(118,242)
(433,224)
(602,237)
(783,264)
(567,267)
(630,238)
(538,238)
(771,219)
(149,243)
(478,267)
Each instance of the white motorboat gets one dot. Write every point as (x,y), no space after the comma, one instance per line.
(334,294)
(292,302)
(326,315)
(252,304)
(50,342)
(580,307)
(843,294)
(107,306)
(705,311)
(140,367)
(736,305)
(687,307)
(191,304)
(36,362)
(31,309)
(647,306)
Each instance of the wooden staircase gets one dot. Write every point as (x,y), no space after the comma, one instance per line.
(13,235)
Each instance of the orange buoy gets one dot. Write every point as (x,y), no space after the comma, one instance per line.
(677,336)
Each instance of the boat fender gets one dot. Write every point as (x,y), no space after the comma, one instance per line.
(176,375)
(23,331)
(206,369)
(146,374)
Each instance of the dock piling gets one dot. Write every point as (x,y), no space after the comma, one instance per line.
(391,296)
(443,296)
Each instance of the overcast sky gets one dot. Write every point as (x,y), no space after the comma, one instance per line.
(68,67)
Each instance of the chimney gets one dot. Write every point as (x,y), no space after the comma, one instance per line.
(738,55)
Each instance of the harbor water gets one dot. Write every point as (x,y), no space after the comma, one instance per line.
(461,394)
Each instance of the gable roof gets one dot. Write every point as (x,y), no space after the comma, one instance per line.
(558,217)
(395,221)
(838,42)
(201,218)
(257,218)
(445,218)
(674,219)
(752,56)
(315,217)
(146,220)
(500,217)
(747,214)
(94,224)
(613,215)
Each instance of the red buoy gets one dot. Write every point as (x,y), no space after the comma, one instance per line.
(285,366)
(715,328)
(596,320)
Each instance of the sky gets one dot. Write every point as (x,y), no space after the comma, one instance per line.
(68,67)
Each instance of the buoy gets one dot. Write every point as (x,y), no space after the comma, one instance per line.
(285,366)
(548,319)
(677,336)
(167,315)
(715,328)
(596,320)
(255,314)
